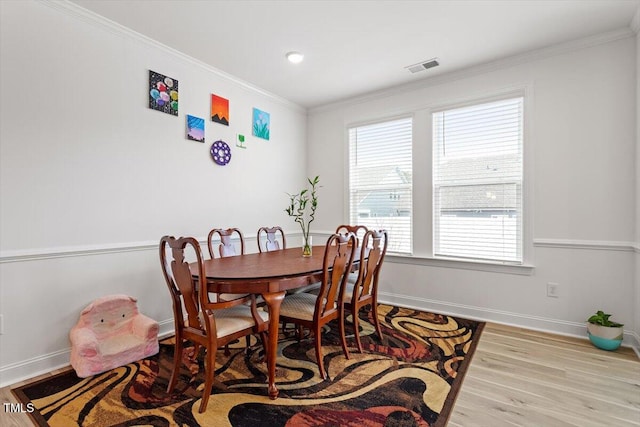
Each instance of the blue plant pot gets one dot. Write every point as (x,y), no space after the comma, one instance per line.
(604,343)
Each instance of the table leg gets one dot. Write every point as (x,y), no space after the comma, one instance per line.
(273,301)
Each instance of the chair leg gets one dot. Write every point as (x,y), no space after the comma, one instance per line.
(226,350)
(374,312)
(209,369)
(318,345)
(341,328)
(356,327)
(177,359)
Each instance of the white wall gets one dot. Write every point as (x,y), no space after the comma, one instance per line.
(91,178)
(581,142)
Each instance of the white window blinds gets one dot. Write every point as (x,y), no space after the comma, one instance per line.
(380,180)
(477,180)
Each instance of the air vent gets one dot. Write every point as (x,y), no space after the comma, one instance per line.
(421,66)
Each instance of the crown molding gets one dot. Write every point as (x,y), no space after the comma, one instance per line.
(99,21)
(483,68)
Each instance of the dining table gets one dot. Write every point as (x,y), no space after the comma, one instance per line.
(270,274)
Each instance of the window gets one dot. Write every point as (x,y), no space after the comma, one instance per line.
(380,179)
(477,181)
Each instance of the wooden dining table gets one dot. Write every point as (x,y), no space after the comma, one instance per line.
(269,274)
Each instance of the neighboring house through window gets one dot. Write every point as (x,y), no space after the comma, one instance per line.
(380,180)
(477,181)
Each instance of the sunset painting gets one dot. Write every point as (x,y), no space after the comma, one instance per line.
(195,128)
(219,110)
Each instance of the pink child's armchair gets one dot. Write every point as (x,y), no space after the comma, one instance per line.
(111,333)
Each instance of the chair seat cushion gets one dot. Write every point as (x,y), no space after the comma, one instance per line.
(234,319)
(299,306)
(113,346)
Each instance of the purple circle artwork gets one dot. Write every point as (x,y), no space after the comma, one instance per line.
(220,152)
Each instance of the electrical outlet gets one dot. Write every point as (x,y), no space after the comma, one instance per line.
(553,290)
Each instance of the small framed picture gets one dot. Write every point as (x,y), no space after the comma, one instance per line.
(261,124)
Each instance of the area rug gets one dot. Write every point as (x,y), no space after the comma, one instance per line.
(410,378)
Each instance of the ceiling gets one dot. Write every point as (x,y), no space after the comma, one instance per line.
(355,47)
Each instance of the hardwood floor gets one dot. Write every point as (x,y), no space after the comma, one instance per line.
(520,377)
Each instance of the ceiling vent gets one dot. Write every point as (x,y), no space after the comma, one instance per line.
(421,66)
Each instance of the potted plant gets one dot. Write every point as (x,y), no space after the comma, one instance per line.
(604,333)
(298,205)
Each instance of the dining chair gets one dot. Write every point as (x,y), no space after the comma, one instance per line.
(270,237)
(364,291)
(358,230)
(315,311)
(206,323)
(226,247)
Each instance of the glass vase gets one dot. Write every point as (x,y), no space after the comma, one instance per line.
(307,246)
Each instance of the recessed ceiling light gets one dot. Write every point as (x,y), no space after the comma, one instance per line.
(295,57)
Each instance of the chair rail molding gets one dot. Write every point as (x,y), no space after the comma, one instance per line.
(74,251)
(21,255)
(603,245)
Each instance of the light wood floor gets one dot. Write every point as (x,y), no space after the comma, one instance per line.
(520,377)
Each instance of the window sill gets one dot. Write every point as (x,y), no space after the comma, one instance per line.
(523,270)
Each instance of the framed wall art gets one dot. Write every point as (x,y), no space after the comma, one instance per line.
(261,124)
(219,110)
(163,93)
(195,128)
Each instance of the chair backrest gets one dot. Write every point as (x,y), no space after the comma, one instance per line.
(194,297)
(271,242)
(338,258)
(184,292)
(358,230)
(374,248)
(226,247)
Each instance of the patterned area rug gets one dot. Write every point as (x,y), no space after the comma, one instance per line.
(410,378)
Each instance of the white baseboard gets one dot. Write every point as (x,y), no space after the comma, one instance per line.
(554,326)
(21,371)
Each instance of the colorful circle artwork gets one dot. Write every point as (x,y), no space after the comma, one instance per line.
(220,152)
(163,93)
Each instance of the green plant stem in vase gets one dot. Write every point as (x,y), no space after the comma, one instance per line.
(302,207)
